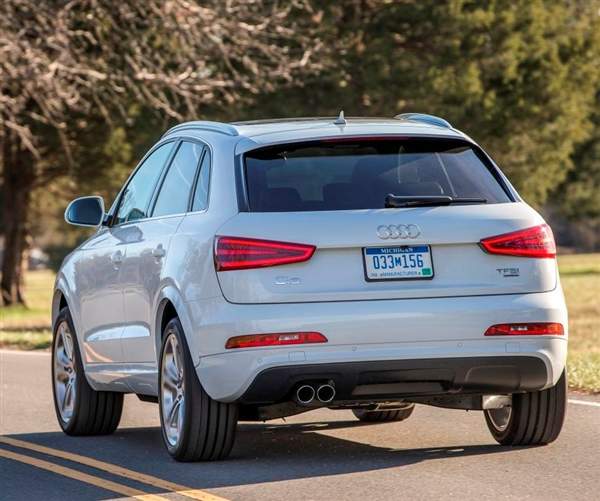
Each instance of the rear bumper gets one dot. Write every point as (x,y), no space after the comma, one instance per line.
(392,379)
(443,337)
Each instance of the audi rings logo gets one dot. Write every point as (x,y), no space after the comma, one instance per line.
(398,231)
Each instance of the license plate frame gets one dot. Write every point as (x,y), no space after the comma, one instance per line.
(403,249)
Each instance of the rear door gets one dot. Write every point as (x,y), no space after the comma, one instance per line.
(148,250)
(331,194)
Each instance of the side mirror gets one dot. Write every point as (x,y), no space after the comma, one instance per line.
(85,211)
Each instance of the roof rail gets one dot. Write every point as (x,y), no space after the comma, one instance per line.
(424,118)
(220,127)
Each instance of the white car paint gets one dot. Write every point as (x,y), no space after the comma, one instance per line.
(117,282)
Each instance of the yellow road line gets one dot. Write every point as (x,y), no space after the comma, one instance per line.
(115,470)
(124,490)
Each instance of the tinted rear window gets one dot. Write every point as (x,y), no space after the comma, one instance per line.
(358,174)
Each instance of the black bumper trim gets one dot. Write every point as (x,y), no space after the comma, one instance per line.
(393,379)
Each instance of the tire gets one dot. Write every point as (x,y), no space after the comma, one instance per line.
(80,409)
(198,428)
(383,416)
(535,418)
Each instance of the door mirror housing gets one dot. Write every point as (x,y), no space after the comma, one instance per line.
(85,211)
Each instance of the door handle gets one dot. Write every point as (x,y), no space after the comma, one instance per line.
(159,252)
(117,258)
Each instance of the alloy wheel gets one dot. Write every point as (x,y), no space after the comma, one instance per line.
(172,390)
(65,372)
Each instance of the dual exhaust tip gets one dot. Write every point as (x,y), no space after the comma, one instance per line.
(306,394)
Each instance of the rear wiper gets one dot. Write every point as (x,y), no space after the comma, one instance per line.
(396,201)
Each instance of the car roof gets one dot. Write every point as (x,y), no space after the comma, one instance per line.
(271,131)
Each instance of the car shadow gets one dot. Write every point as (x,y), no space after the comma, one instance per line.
(263,452)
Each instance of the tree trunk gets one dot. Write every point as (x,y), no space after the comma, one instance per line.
(18,179)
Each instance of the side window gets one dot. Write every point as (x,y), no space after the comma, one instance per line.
(137,195)
(201,193)
(175,190)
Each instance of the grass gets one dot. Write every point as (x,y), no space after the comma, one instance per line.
(580,277)
(29,328)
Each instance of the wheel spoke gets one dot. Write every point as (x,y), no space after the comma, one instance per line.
(63,358)
(68,396)
(169,384)
(68,344)
(172,418)
(180,411)
(172,372)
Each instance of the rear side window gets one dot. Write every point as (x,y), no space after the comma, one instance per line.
(201,194)
(174,194)
(360,173)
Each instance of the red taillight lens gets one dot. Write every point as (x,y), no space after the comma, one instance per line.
(285,338)
(531,242)
(236,253)
(526,329)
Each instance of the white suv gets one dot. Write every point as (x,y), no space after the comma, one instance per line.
(261,269)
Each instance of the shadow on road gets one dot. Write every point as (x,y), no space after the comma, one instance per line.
(263,453)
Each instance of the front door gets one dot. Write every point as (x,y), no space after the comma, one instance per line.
(97,278)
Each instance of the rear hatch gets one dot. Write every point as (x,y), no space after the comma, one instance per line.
(335,195)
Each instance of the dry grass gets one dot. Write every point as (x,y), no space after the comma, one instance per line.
(29,328)
(580,276)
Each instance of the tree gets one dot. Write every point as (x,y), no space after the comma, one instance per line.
(581,189)
(70,70)
(519,75)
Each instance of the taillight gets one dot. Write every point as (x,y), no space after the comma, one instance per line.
(526,329)
(237,253)
(285,338)
(531,242)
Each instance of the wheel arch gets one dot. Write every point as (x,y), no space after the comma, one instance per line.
(171,305)
(62,298)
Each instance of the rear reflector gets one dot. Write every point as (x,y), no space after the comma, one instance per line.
(531,242)
(285,338)
(237,253)
(526,329)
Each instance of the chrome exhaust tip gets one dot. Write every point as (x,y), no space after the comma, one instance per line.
(305,394)
(326,393)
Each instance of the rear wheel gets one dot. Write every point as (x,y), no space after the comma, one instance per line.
(79,408)
(194,426)
(384,416)
(535,418)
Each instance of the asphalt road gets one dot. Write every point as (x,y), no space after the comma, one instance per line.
(320,455)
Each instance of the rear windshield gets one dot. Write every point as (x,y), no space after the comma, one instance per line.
(360,173)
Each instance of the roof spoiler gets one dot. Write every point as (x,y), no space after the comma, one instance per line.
(206,125)
(424,118)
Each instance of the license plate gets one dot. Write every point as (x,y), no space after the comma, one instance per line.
(398,263)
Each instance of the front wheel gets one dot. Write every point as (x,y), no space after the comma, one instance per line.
(80,409)
(535,418)
(194,426)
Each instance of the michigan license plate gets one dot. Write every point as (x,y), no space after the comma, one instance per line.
(398,263)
